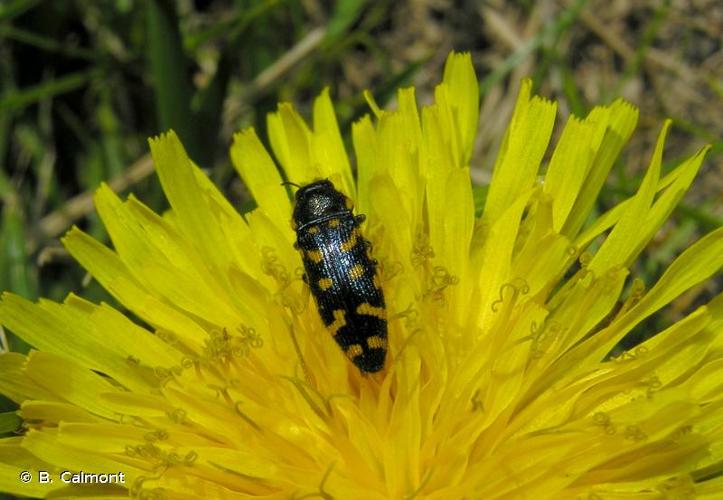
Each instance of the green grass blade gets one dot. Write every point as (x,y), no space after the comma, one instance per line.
(9,422)
(19,278)
(345,14)
(168,69)
(20,98)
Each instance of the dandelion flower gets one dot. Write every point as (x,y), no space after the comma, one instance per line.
(224,382)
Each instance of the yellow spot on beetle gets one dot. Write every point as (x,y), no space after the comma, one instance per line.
(366,309)
(351,242)
(339,321)
(314,230)
(354,350)
(333,223)
(325,283)
(377,342)
(314,255)
(356,272)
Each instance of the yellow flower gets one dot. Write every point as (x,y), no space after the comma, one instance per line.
(224,383)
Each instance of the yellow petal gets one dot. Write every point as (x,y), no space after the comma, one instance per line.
(619,246)
(328,146)
(69,333)
(78,385)
(570,164)
(261,176)
(522,149)
(114,276)
(365,148)
(14,382)
(620,119)
(497,256)
(290,138)
(204,216)
(463,88)
(669,191)
(52,413)
(45,446)
(695,264)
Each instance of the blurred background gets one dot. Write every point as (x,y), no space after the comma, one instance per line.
(83,84)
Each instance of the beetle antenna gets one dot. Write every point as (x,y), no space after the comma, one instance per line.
(289,183)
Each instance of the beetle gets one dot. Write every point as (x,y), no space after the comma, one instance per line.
(341,273)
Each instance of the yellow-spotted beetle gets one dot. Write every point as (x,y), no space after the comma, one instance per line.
(341,273)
